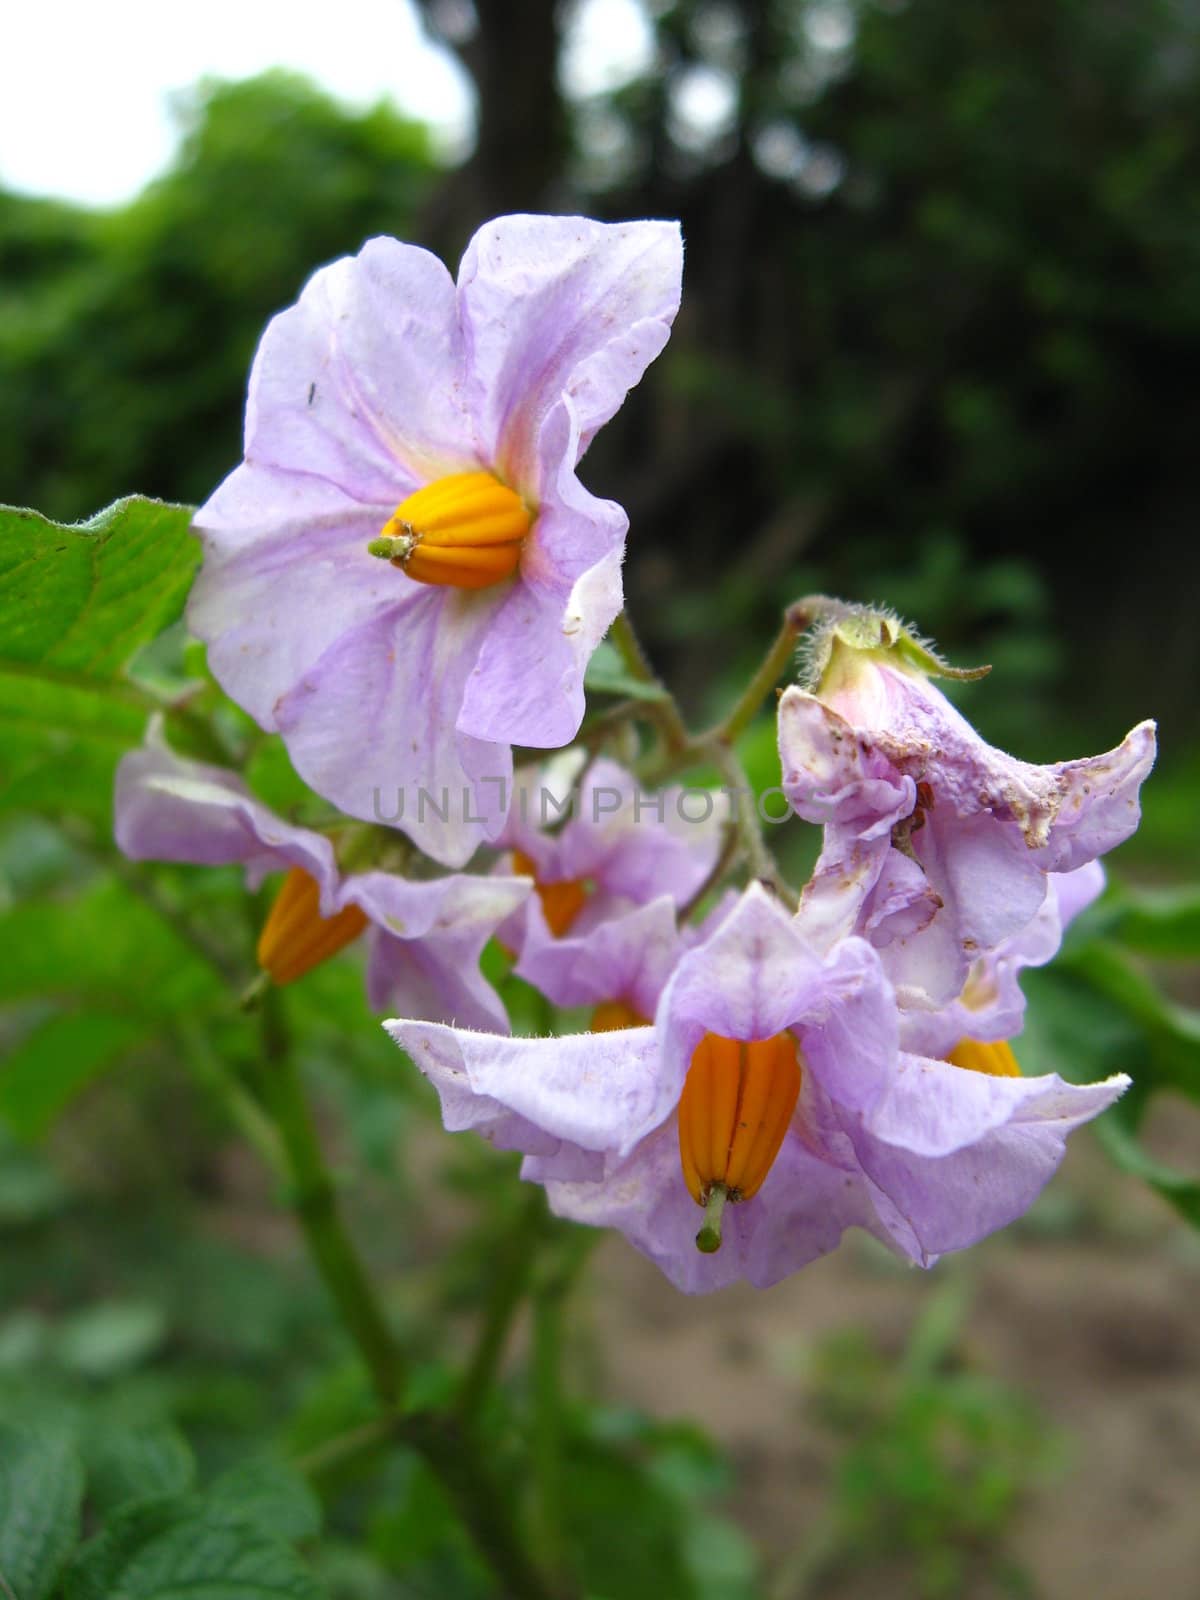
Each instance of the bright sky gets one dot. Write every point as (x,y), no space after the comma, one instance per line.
(85,84)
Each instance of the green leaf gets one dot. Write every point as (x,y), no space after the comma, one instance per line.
(111,1337)
(1175,1187)
(109,950)
(608,674)
(175,1549)
(30,1189)
(127,1463)
(84,598)
(603,1491)
(266,1493)
(1158,922)
(49,1067)
(41,1487)
(77,603)
(1172,1031)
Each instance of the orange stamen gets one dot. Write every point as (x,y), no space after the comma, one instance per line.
(736,1105)
(561,902)
(296,937)
(465,530)
(979,1055)
(610,1015)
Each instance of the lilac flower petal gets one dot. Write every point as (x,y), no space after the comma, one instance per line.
(279,546)
(594,1090)
(800,1213)
(575,529)
(561,305)
(756,977)
(850,1035)
(646,1199)
(360,381)
(626,958)
(832,774)
(1073,892)
(372,725)
(168,808)
(428,937)
(527,683)
(957,1199)
(1099,807)
(932,1108)
(991,1004)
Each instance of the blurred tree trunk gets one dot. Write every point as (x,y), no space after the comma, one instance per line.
(522,132)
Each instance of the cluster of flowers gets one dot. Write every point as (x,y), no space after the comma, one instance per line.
(404,579)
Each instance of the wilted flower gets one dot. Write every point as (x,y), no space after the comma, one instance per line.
(991,1005)
(769,1107)
(395,414)
(425,936)
(938,847)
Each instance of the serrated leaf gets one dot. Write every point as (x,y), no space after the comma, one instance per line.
(41,1487)
(608,674)
(266,1493)
(76,605)
(85,597)
(173,1549)
(127,1463)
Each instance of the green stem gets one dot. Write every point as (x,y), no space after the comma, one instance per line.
(721,866)
(664,711)
(242,1108)
(347,1447)
(547,1411)
(709,1237)
(509,1283)
(461,1468)
(315,1203)
(140,881)
(745,804)
(771,669)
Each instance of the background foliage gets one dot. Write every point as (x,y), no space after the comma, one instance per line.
(942,312)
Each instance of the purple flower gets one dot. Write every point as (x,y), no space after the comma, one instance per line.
(772,1088)
(425,937)
(937,846)
(393,413)
(991,1005)
(620,849)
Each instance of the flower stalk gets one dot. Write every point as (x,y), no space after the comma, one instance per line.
(774,664)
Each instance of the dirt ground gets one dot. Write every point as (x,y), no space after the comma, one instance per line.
(1092,1313)
(1090,1309)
